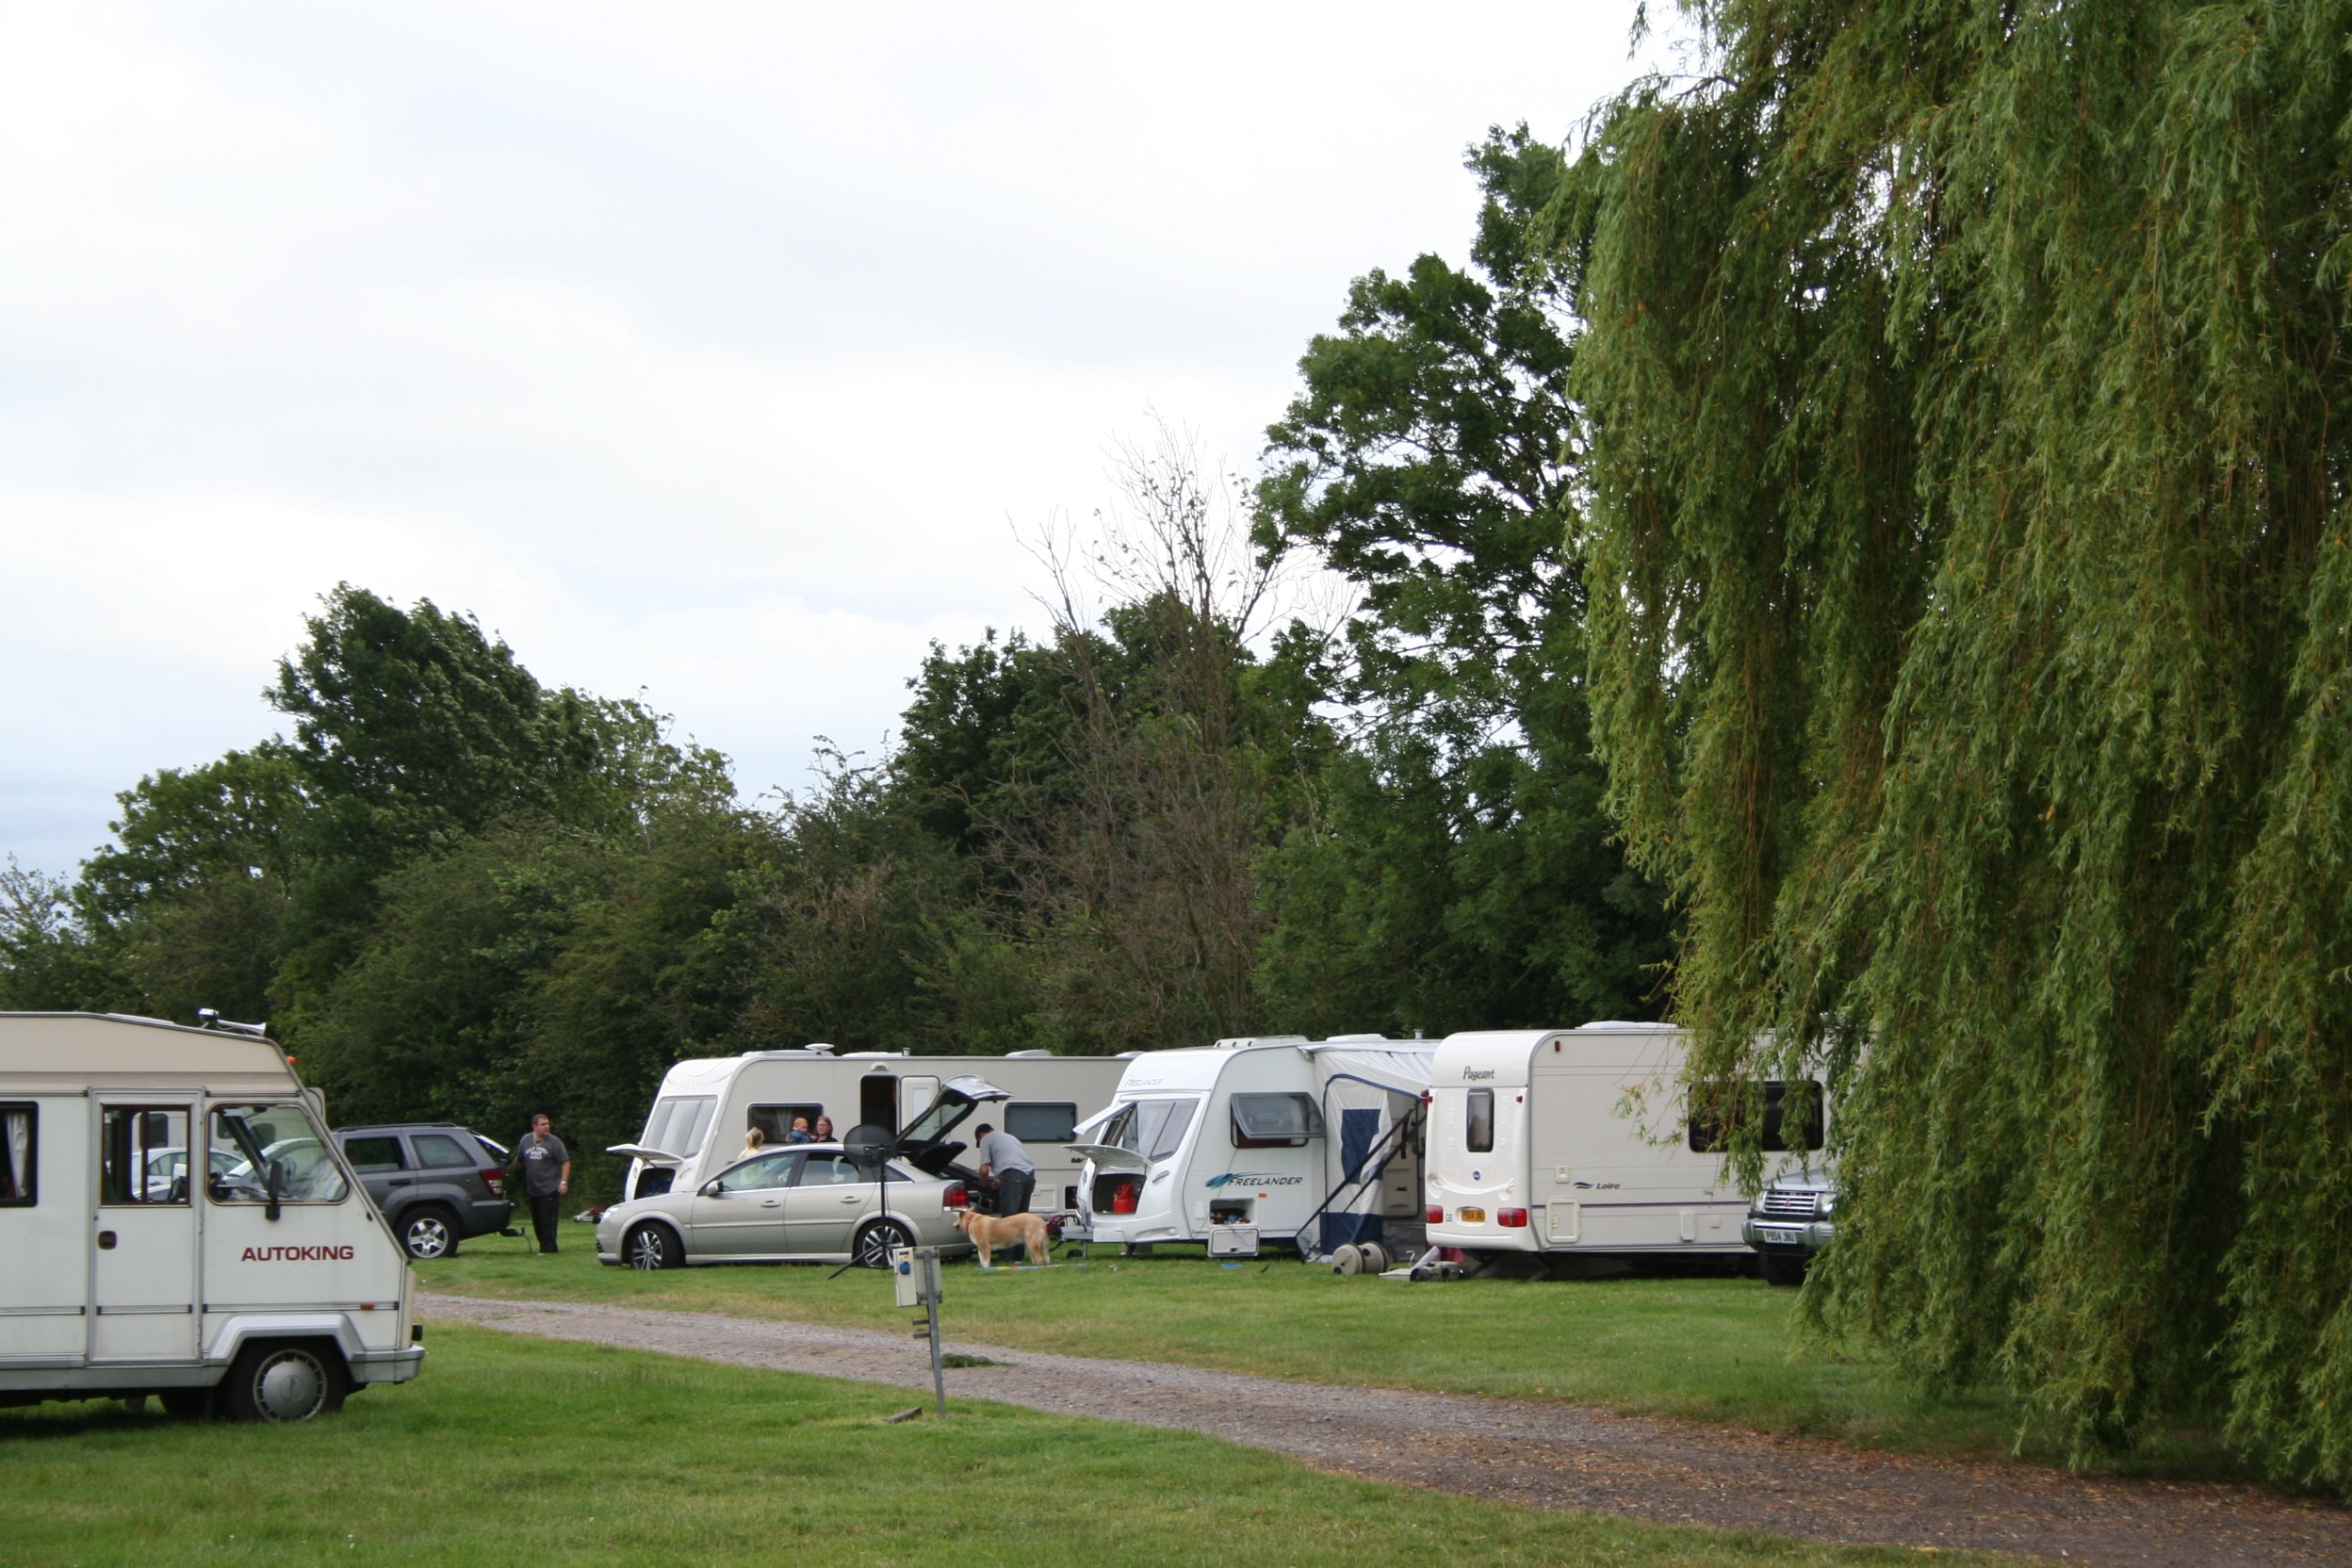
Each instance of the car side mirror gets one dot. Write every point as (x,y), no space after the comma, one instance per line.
(710,1188)
(275,1188)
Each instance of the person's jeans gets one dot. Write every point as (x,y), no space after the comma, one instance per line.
(1013,1188)
(543,1208)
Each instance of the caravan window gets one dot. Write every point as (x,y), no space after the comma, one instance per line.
(1479,1122)
(135,1154)
(776,1121)
(263,1136)
(1042,1121)
(677,1126)
(1154,1128)
(1787,1116)
(17,1148)
(1274,1120)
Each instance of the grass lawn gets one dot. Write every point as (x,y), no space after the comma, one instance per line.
(1702,1350)
(516,1450)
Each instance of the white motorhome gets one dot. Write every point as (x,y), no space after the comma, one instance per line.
(265,1285)
(1309,1143)
(706,1106)
(1561,1142)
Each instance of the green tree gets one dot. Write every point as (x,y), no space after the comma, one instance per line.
(1969,576)
(1456,870)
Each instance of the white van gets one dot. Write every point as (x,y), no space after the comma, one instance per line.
(705,1107)
(1277,1135)
(176,1222)
(1561,1142)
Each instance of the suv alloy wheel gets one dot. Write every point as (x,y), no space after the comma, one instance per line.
(428,1234)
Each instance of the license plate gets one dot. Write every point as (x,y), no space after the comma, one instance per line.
(1782,1239)
(1471,1217)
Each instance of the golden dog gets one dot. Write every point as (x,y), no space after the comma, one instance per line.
(988,1231)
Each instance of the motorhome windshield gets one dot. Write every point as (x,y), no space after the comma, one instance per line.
(677,1125)
(1152,1128)
(280,1135)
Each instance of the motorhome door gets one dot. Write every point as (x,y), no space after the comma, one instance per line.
(143,1242)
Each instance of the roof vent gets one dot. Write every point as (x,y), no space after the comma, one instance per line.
(1011,1054)
(819,1046)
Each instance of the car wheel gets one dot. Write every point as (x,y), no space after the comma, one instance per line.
(651,1246)
(429,1233)
(284,1383)
(873,1248)
(1781,1271)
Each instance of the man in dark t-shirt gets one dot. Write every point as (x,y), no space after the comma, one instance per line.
(547,1167)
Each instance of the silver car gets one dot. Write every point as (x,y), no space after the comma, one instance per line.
(812,1202)
(809,1203)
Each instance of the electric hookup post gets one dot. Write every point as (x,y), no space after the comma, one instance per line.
(915,1270)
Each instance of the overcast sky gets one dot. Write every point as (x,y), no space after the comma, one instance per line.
(708,351)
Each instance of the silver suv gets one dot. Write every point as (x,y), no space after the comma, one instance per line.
(1789,1221)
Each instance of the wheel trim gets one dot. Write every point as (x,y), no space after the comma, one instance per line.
(427,1236)
(289,1387)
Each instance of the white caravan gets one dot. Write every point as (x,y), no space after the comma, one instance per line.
(1302,1142)
(1561,1142)
(268,1288)
(705,1107)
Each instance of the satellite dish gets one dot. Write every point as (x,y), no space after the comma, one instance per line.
(868,1147)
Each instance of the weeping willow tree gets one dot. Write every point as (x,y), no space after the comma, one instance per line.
(1972,586)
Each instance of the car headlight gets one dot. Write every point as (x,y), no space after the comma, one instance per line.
(1827,1204)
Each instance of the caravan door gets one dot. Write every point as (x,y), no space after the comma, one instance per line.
(144,1234)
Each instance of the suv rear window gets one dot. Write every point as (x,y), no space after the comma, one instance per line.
(435,1150)
(373,1156)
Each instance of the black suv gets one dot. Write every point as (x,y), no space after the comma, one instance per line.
(435,1182)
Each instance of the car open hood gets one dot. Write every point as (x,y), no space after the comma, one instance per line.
(651,1156)
(1109,1156)
(923,1143)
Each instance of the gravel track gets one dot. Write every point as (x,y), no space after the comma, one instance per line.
(1538,1454)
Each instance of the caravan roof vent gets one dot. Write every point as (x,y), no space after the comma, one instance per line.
(868,1055)
(818,1045)
(1010,1055)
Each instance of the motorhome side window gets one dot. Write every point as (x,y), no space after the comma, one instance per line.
(1792,1121)
(1274,1120)
(143,1155)
(677,1125)
(18,1126)
(1479,1128)
(1042,1121)
(274,1147)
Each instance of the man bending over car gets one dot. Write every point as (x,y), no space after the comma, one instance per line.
(1016,1175)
